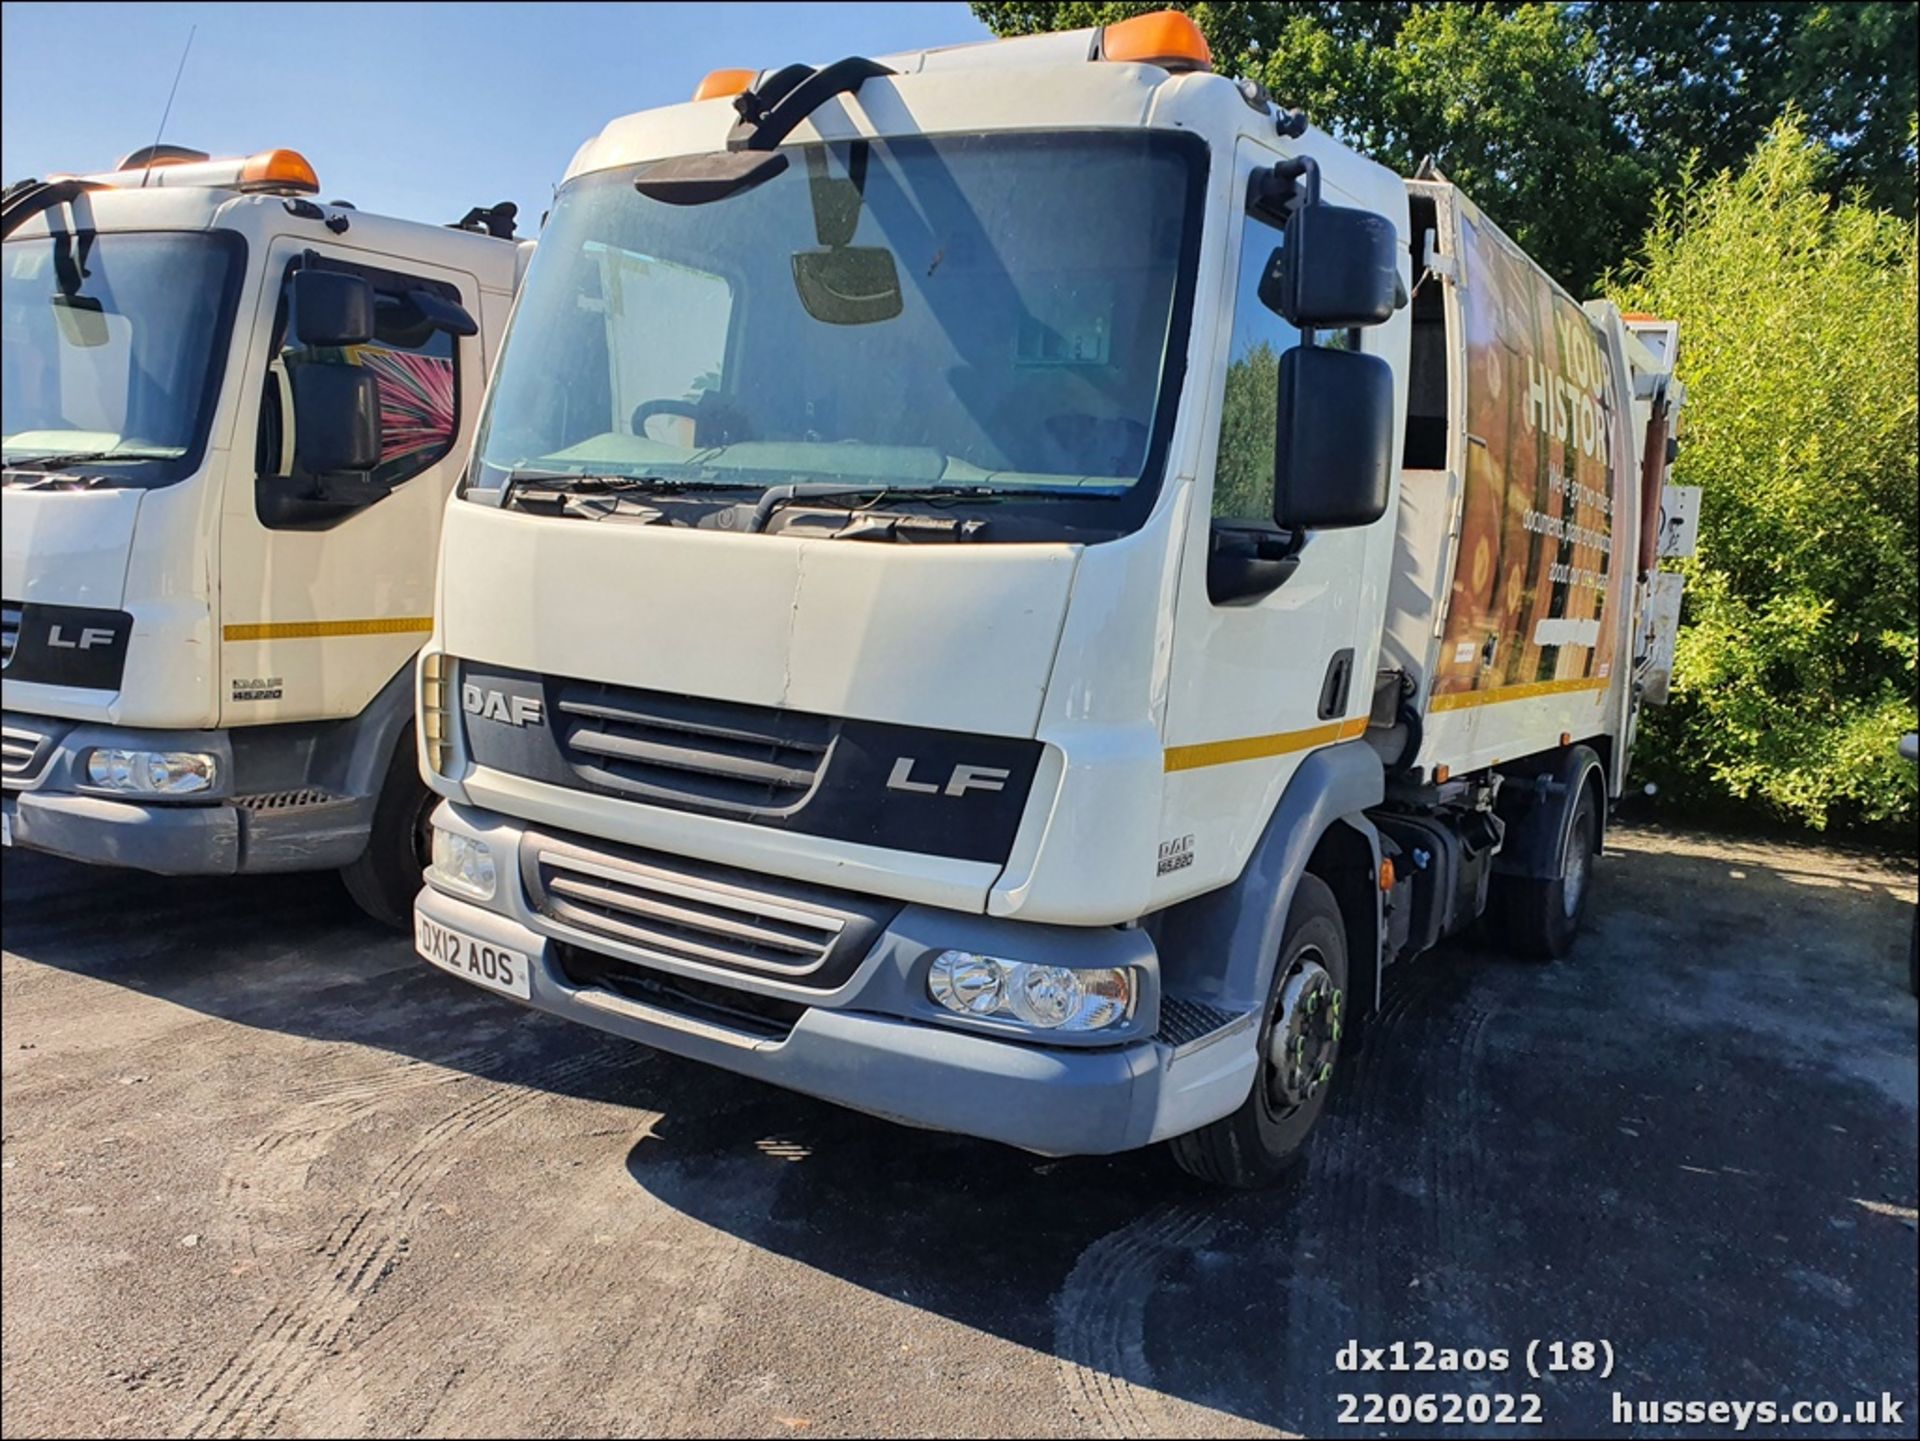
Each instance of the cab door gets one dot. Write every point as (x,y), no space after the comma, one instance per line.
(321,605)
(1259,681)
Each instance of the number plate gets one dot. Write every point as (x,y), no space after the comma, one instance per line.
(6,828)
(472,959)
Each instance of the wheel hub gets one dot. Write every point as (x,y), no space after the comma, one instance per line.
(1305,1034)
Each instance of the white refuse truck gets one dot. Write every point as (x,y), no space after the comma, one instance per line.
(1003,587)
(231,418)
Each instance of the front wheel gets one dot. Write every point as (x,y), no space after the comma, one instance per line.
(386,877)
(1299,1046)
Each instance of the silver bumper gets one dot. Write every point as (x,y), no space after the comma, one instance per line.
(873,1043)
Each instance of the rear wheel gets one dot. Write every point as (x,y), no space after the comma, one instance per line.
(386,877)
(1540,918)
(1299,1046)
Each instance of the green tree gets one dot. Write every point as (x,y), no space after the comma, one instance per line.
(1243,473)
(1709,79)
(1796,666)
(1563,120)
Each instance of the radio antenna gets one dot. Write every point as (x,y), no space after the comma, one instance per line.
(153,154)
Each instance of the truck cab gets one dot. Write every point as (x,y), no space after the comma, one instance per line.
(916,625)
(232,418)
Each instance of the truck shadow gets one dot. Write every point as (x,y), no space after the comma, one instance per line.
(290,953)
(1702,1127)
(1578,1151)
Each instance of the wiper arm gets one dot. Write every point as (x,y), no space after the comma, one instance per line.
(71,458)
(779,495)
(573,482)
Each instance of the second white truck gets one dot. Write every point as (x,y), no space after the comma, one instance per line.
(1004,587)
(232,417)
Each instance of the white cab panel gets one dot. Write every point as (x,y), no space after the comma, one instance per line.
(958,637)
(66,547)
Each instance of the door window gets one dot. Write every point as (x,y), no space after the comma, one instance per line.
(413,363)
(1243,473)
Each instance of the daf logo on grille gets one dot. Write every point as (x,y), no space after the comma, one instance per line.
(964,778)
(493,705)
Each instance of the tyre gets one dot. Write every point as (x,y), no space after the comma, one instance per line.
(1299,1047)
(386,877)
(1539,919)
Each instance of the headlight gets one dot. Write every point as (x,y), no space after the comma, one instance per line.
(463,864)
(1049,998)
(153,773)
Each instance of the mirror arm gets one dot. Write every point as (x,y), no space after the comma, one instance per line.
(777,121)
(1276,190)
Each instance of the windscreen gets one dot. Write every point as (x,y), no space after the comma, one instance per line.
(969,311)
(113,350)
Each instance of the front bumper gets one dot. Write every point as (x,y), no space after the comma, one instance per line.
(172,840)
(298,828)
(862,1045)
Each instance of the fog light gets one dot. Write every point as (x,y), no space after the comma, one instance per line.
(1048,998)
(462,864)
(154,773)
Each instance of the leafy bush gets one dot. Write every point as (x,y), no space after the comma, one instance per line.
(1796,667)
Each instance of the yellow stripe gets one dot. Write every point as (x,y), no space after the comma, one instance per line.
(1248,748)
(1460,700)
(314,629)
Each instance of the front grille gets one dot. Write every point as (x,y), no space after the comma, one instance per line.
(765,1016)
(658,907)
(677,750)
(20,751)
(9,631)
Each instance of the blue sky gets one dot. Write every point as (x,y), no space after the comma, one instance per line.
(415,110)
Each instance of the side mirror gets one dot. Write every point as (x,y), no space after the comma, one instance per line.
(703,179)
(332,309)
(336,419)
(442,313)
(1339,268)
(1333,440)
(848,284)
(82,321)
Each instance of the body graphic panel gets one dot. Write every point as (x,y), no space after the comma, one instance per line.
(1535,582)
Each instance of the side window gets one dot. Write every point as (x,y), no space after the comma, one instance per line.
(1243,475)
(412,361)
(668,393)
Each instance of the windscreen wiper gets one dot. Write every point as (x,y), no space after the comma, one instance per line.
(779,495)
(574,482)
(74,457)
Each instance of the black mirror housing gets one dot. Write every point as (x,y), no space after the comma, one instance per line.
(848,284)
(332,309)
(444,314)
(336,419)
(1333,441)
(703,179)
(1339,268)
(82,321)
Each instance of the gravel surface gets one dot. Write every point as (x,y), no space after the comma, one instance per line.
(265,1173)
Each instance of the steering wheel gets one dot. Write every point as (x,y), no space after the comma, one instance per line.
(647,409)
